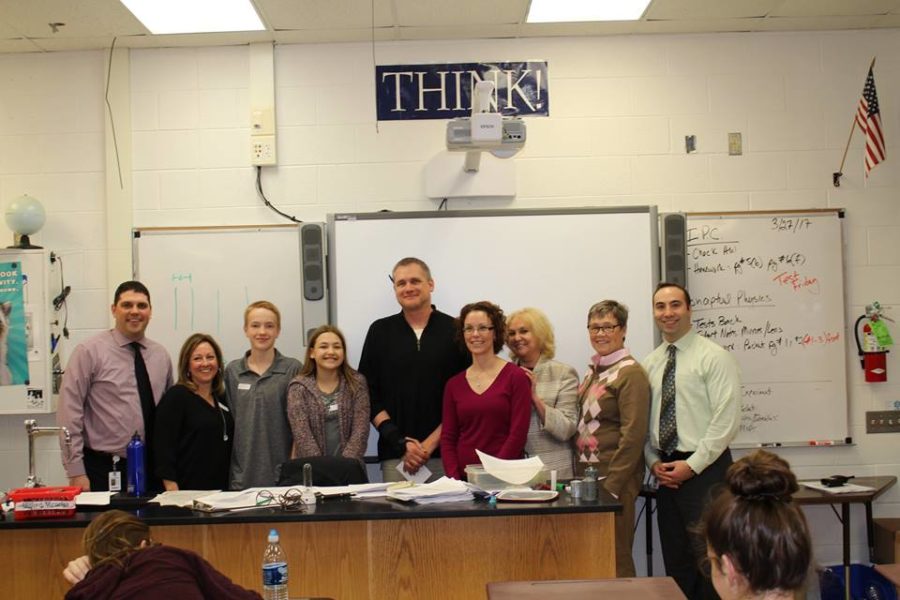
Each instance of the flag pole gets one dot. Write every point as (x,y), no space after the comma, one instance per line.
(836,176)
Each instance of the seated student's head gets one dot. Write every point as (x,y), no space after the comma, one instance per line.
(757,539)
(114,535)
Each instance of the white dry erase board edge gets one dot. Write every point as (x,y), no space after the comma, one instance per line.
(202,278)
(769,287)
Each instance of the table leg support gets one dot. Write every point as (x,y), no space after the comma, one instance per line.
(845,526)
(648,530)
(870,532)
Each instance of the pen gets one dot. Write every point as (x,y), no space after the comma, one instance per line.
(821,443)
(771,445)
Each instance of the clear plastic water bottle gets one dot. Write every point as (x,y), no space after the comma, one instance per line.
(137,479)
(274,570)
(589,484)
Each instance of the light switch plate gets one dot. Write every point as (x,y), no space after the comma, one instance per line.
(735,145)
(883,421)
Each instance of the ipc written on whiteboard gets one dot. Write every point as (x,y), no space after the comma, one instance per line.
(769,289)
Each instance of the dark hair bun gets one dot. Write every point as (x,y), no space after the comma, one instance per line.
(762,476)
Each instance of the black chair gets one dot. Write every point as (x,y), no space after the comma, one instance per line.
(326,470)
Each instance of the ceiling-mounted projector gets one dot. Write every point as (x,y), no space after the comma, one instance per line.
(485,131)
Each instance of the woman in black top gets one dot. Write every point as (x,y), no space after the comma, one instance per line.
(194,428)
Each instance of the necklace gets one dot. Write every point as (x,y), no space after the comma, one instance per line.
(481,379)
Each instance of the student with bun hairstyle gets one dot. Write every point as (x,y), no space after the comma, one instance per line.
(122,562)
(757,539)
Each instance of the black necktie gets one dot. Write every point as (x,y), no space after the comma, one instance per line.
(668,431)
(145,391)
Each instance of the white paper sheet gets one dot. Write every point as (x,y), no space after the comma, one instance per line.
(421,476)
(516,472)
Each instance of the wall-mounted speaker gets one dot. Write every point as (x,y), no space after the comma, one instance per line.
(674,240)
(313,277)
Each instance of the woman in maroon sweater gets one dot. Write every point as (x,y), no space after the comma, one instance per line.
(122,562)
(487,407)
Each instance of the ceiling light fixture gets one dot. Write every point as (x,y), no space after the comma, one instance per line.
(195,16)
(572,11)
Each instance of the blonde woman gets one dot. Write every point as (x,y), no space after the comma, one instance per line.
(554,393)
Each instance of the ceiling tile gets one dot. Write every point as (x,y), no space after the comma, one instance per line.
(325,14)
(9,46)
(326,36)
(816,23)
(579,29)
(815,8)
(459,32)
(82,18)
(688,10)
(411,13)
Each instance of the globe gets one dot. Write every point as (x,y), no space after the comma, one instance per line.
(25,215)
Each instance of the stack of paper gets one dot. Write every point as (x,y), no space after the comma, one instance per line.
(366,490)
(93,498)
(442,490)
(184,498)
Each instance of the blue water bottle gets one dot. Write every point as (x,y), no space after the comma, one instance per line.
(137,482)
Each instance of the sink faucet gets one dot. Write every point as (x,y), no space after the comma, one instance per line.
(32,429)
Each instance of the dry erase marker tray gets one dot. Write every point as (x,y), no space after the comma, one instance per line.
(44,502)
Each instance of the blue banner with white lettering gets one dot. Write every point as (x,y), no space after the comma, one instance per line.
(444,91)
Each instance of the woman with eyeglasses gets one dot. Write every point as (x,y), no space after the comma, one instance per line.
(615,405)
(554,392)
(757,539)
(487,407)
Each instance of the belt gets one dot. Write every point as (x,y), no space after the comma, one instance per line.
(101,453)
(677,455)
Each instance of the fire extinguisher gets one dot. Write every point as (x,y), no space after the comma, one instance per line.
(873,357)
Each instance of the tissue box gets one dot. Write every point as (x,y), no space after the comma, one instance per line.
(44,502)
(476,475)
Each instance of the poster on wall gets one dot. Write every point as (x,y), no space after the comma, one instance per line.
(444,91)
(13,326)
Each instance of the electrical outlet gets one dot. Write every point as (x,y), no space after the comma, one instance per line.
(883,421)
(262,151)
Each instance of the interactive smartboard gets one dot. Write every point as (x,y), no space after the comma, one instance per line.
(770,289)
(560,261)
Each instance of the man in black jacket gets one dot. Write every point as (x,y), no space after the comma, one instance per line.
(407,358)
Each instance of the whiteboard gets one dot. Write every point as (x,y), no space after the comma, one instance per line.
(770,289)
(560,261)
(202,279)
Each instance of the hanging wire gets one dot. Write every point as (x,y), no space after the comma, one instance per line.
(262,195)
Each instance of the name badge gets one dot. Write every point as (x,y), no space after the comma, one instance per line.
(115,481)
(243,386)
(332,407)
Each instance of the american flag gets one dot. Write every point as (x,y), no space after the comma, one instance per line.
(868,117)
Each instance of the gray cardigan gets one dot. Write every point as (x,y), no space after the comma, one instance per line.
(306,414)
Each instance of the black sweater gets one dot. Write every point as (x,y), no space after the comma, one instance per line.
(406,376)
(189,440)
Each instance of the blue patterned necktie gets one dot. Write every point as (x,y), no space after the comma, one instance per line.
(668,431)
